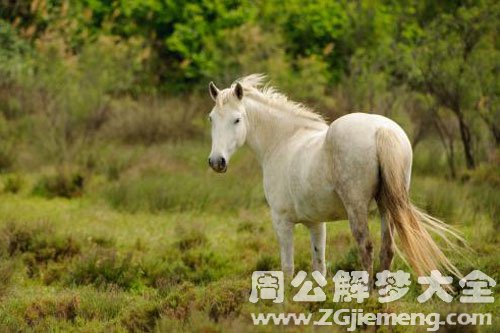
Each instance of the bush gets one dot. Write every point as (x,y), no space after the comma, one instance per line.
(224,298)
(41,251)
(439,198)
(155,120)
(62,184)
(185,189)
(63,308)
(190,259)
(38,240)
(102,305)
(267,263)
(7,157)
(199,266)
(106,268)
(349,262)
(13,184)
(179,301)
(141,318)
(191,239)
(6,272)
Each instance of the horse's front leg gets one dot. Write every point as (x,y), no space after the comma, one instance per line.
(284,232)
(318,242)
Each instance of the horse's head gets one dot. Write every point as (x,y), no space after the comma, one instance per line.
(229,124)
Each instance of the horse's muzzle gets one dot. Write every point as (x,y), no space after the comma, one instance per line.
(218,164)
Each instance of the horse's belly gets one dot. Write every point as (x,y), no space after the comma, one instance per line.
(321,205)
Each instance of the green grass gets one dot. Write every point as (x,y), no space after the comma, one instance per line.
(167,245)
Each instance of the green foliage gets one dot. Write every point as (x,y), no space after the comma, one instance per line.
(65,308)
(13,52)
(6,273)
(13,183)
(142,318)
(266,263)
(74,72)
(7,145)
(105,268)
(199,265)
(61,184)
(36,240)
(154,120)
(224,299)
(156,191)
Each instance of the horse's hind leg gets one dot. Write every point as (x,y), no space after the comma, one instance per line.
(387,240)
(318,242)
(358,220)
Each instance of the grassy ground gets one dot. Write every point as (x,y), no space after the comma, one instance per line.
(157,242)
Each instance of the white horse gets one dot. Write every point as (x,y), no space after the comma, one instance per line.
(314,173)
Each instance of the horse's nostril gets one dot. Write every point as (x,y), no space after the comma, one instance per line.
(223,162)
(209,161)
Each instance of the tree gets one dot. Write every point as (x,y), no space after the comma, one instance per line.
(447,61)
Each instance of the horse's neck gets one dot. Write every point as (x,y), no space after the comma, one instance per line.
(268,128)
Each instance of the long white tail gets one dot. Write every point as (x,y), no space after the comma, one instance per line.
(412,225)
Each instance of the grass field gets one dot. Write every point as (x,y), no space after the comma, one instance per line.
(155,241)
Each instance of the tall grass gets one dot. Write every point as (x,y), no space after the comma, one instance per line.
(177,178)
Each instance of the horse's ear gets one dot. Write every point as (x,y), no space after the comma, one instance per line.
(213,90)
(238,91)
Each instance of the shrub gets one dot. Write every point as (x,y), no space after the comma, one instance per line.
(199,266)
(142,318)
(38,240)
(7,157)
(439,198)
(224,298)
(106,268)
(266,263)
(38,247)
(487,173)
(349,262)
(184,190)
(13,184)
(156,120)
(62,308)
(179,301)
(191,239)
(484,199)
(6,272)
(152,193)
(102,305)
(62,184)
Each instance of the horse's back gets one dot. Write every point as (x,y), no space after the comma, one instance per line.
(351,140)
(357,131)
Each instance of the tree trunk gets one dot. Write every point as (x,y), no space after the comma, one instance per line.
(496,134)
(494,129)
(491,122)
(447,141)
(466,139)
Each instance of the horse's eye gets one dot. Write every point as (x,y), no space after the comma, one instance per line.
(237,121)
(209,119)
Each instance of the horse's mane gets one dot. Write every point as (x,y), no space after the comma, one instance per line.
(254,85)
